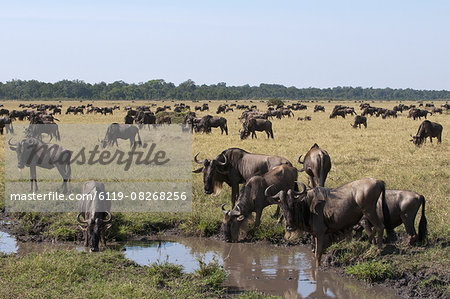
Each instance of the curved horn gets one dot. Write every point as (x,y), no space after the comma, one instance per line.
(274,197)
(109,218)
(223,163)
(81,221)
(298,193)
(9,142)
(196,161)
(299,159)
(223,208)
(236,211)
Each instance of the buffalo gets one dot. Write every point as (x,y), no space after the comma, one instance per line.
(234,166)
(32,152)
(252,198)
(95,213)
(427,129)
(324,212)
(316,164)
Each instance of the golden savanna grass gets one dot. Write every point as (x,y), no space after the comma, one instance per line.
(383,151)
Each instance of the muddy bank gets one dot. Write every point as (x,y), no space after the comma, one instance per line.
(417,284)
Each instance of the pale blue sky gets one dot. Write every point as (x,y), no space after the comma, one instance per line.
(396,44)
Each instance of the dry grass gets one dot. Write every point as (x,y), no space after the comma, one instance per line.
(382,150)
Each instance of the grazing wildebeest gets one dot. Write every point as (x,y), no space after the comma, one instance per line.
(324,212)
(252,198)
(121,131)
(316,164)
(32,152)
(389,113)
(402,207)
(234,166)
(427,129)
(95,213)
(164,119)
(319,108)
(106,110)
(208,121)
(253,124)
(36,131)
(129,119)
(359,120)
(436,110)
(145,118)
(418,113)
(339,112)
(6,122)
(369,111)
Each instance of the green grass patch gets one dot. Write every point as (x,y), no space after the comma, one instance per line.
(106,274)
(371,271)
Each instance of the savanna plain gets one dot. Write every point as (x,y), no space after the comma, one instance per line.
(382,150)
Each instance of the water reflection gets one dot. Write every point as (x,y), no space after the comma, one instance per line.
(283,271)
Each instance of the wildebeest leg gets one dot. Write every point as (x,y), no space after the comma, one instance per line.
(408,221)
(234,193)
(258,218)
(378,226)
(33,178)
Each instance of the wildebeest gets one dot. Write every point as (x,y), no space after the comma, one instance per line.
(427,129)
(36,131)
(128,119)
(359,120)
(164,119)
(234,166)
(207,122)
(253,124)
(95,213)
(324,212)
(145,118)
(6,122)
(339,112)
(316,164)
(319,108)
(436,110)
(121,131)
(252,198)
(32,152)
(402,207)
(418,113)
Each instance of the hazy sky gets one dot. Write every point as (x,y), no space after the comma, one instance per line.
(396,44)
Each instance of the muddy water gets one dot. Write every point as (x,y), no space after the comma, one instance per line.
(283,271)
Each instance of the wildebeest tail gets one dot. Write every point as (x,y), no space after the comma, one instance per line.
(386,214)
(423,222)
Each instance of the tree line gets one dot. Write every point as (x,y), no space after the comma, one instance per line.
(188,90)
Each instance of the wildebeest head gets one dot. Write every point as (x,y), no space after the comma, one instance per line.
(287,202)
(95,223)
(232,223)
(417,140)
(244,133)
(211,169)
(24,149)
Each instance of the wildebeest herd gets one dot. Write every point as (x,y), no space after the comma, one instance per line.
(327,214)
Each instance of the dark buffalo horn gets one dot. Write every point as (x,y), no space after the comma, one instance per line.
(197,161)
(109,218)
(223,163)
(79,220)
(299,160)
(12,144)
